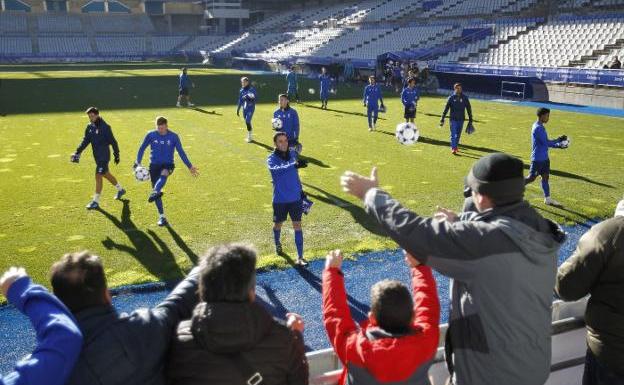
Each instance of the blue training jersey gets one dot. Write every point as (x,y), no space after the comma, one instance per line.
(162,148)
(459,105)
(247,97)
(541,143)
(291,79)
(410,96)
(372,95)
(184,82)
(285,176)
(290,123)
(325,81)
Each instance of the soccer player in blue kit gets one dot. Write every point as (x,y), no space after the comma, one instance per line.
(540,162)
(409,98)
(372,98)
(247,100)
(290,122)
(100,135)
(292,89)
(325,83)
(184,86)
(458,103)
(288,197)
(163,143)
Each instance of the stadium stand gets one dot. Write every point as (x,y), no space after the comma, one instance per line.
(13,22)
(52,22)
(60,46)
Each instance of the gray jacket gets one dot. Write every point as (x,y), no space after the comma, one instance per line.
(502,263)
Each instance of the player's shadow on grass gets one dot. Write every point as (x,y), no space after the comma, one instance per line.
(440,116)
(358,213)
(359,310)
(310,160)
(205,111)
(565,174)
(589,222)
(147,247)
(340,111)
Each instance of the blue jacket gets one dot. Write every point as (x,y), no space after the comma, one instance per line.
(372,95)
(162,148)
(184,82)
(458,104)
(58,338)
(541,143)
(290,123)
(410,97)
(100,136)
(131,349)
(291,79)
(286,184)
(325,81)
(244,100)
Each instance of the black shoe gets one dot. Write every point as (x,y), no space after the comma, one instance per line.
(278,249)
(154,195)
(302,262)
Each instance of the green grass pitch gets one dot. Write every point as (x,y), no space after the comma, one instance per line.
(42,195)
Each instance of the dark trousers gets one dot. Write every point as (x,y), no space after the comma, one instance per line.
(597,373)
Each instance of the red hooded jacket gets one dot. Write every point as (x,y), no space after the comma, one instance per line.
(389,358)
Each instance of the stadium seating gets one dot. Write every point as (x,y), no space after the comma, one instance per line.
(13,22)
(120,45)
(53,22)
(60,46)
(11,46)
(120,23)
(166,44)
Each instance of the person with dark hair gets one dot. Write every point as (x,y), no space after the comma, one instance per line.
(458,103)
(401,332)
(288,197)
(371,100)
(540,162)
(409,98)
(292,88)
(58,338)
(163,144)
(325,84)
(118,348)
(100,135)
(184,86)
(231,338)
(496,335)
(247,97)
(597,268)
(616,65)
(290,122)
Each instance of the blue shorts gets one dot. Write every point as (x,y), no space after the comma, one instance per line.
(281,211)
(101,167)
(156,170)
(540,167)
(184,91)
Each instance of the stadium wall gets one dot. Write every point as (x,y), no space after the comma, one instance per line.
(597,96)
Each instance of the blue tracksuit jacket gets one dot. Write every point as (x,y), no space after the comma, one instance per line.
(541,143)
(100,136)
(286,184)
(458,104)
(290,123)
(162,148)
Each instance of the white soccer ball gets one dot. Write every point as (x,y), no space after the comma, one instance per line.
(312,91)
(407,133)
(565,143)
(141,174)
(251,95)
(277,123)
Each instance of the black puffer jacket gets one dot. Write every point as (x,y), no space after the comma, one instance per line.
(224,342)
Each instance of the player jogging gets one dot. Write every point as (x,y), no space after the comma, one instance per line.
(292,87)
(372,98)
(287,192)
(325,83)
(409,97)
(290,123)
(247,99)
(540,162)
(163,143)
(100,135)
(459,104)
(184,86)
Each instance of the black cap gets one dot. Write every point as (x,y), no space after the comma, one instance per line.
(498,176)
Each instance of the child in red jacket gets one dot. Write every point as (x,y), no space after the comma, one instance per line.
(400,338)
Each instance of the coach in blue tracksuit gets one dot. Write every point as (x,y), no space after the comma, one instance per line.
(184,86)
(290,122)
(163,143)
(458,104)
(287,192)
(292,89)
(247,97)
(409,98)
(372,98)
(59,340)
(325,84)
(100,135)
(540,162)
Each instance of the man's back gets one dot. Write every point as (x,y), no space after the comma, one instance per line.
(226,343)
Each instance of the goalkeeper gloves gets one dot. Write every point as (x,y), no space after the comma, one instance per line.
(74,158)
(301,163)
(562,138)
(117,159)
